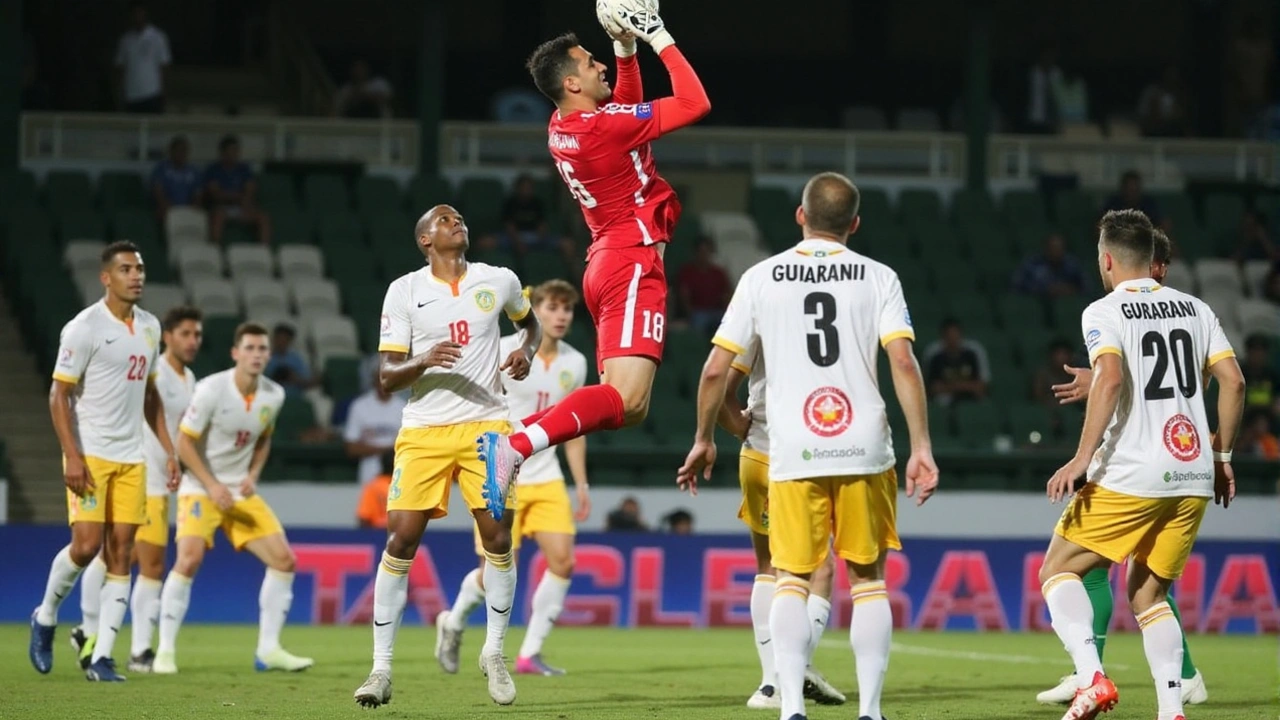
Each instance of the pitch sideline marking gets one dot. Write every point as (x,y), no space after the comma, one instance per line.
(974,656)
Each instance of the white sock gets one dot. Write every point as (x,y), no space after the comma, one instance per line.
(870,634)
(761,601)
(499,593)
(548,601)
(1071,614)
(390,595)
(1162,640)
(819,613)
(115,603)
(470,595)
(174,599)
(789,626)
(144,609)
(91,580)
(274,600)
(62,576)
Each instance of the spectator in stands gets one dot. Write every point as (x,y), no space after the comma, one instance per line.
(704,288)
(372,510)
(679,522)
(1052,273)
(372,425)
(1255,240)
(524,219)
(1129,196)
(1257,438)
(232,191)
(1163,107)
(626,518)
(176,182)
(364,95)
(142,59)
(1071,96)
(287,366)
(1052,372)
(1262,384)
(956,367)
(1042,109)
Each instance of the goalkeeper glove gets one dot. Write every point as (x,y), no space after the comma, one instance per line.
(642,20)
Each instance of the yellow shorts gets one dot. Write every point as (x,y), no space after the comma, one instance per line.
(543,508)
(1157,532)
(857,514)
(119,494)
(248,520)
(155,531)
(753,476)
(428,460)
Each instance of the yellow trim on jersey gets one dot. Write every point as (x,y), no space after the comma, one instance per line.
(521,316)
(1214,359)
(908,334)
(390,347)
(193,434)
(728,345)
(1107,350)
(740,368)
(63,377)
(152,376)
(754,455)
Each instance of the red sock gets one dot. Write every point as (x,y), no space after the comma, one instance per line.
(536,416)
(585,410)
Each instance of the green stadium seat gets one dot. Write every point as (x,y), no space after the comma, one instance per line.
(363,304)
(290,226)
(940,428)
(388,230)
(984,239)
(1029,239)
(17,191)
(978,422)
(917,283)
(1031,423)
(996,273)
(1031,344)
(350,264)
(1023,206)
(376,194)
(81,225)
(340,228)
(137,225)
(235,233)
(874,207)
(940,246)
(973,207)
(277,192)
(770,201)
(296,417)
(779,233)
(1020,312)
(539,267)
(499,258)
(480,199)
(219,331)
(427,191)
(118,190)
(1268,204)
(919,205)
(342,378)
(1066,312)
(68,190)
(325,193)
(29,235)
(973,309)
(1075,208)
(1222,215)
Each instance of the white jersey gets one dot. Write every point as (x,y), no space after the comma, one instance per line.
(1157,443)
(175,394)
(229,424)
(421,310)
(820,311)
(547,384)
(109,361)
(751,364)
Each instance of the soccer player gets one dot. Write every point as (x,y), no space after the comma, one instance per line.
(182,334)
(751,427)
(544,512)
(820,310)
(602,152)
(224,443)
(1097,581)
(441,337)
(103,388)
(1143,451)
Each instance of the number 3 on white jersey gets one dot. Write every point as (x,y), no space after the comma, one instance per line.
(576,188)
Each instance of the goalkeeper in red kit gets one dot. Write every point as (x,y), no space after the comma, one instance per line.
(601,150)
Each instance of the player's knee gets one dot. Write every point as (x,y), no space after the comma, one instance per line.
(285,562)
(84,550)
(560,566)
(635,408)
(824,572)
(498,541)
(151,567)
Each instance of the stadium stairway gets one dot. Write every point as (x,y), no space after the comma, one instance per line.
(36,492)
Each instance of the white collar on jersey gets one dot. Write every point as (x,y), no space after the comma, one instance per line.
(819,244)
(1140,283)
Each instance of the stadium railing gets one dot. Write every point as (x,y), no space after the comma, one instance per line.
(938,156)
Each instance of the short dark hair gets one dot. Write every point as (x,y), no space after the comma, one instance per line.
(1129,235)
(227,141)
(120,246)
(830,203)
(1162,251)
(180,314)
(554,290)
(550,63)
(248,328)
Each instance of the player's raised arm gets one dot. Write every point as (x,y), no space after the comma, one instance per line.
(688,102)
(629,87)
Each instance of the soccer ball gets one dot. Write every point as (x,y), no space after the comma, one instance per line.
(611,12)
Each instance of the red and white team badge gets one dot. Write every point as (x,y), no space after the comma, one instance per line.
(827,411)
(1181,438)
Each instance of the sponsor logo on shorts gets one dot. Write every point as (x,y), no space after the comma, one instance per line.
(393,492)
(827,411)
(853,451)
(1181,438)
(89,503)
(486,300)
(1178,477)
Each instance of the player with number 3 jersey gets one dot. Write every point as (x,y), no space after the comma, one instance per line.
(601,150)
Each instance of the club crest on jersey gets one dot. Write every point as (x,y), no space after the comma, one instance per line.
(1181,438)
(827,411)
(264,417)
(150,336)
(486,300)
(906,318)
(385,324)
(65,357)
(1091,340)
(644,111)
(566,380)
